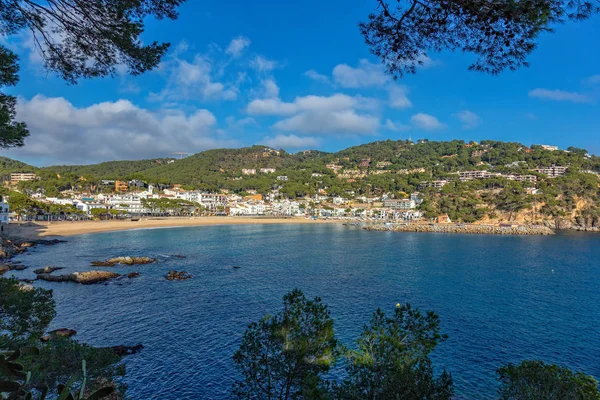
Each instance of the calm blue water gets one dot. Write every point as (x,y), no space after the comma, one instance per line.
(500,299)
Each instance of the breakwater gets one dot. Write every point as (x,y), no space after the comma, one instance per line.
(464,228)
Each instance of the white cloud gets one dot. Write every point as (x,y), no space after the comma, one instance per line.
(271,89)
(129,87)
(315,76)
(426,62)
(468,118)
(292,142)
(559,95)
(365,75)
(111,131)
(309,103)
(398,97)
(330,122)
(531,116)
(395,126)
(235,124)
(426,122)
(237,46)
(193,81)
(262,64)
(593,80)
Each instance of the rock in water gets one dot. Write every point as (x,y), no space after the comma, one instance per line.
(46,270)
(91,277)
(178,276)
(133,274)
(102,264)
(84,278)
(62,332)
(126,350)
(123,261)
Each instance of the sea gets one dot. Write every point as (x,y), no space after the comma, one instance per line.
(501,299)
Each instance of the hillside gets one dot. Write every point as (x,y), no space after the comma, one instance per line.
(389,167)
(109,169)
(8,165)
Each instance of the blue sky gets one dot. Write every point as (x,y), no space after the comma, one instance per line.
(298,76)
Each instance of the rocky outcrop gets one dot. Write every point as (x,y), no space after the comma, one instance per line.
(46,270)
(102,264)
(4,268)
(133,275)
(11,247)
(126,350)
(465,228)
(62,332)
(84,278)
(178,276)
(124,261)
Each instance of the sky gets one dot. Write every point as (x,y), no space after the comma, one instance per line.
(298,75)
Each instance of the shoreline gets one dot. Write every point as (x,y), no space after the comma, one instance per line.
(38,229)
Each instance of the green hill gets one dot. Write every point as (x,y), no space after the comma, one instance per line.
(8,166)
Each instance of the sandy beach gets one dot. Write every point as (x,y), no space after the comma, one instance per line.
(34,230)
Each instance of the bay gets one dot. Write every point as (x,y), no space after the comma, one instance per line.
(500,298)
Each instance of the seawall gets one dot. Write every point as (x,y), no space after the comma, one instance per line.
(464,228)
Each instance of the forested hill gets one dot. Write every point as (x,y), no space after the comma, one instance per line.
(110,169)
(516,188)
(438,158)
(8,165)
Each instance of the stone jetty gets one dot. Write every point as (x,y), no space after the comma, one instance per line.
(464,228)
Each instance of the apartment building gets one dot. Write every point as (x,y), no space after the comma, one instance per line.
(17,177)
(400,204)
(552,171)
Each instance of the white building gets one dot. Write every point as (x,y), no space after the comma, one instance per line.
(130,202)
(282,178)
(248,171)
(549,148)
(286,207)
(435,184)
(267,170)
(416,197)
(400,204)
(553,171)
(4,210)
(339,200)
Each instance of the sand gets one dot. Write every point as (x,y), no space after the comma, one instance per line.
(69,228)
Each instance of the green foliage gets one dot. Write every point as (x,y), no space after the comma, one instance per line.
(500,34)
(285,355)
(12,133)
(532,380)
(96,36)
(24,313)
(392,360)
(22,386)
(60,359)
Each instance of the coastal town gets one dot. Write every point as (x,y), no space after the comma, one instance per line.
(130,199)
(341,188)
